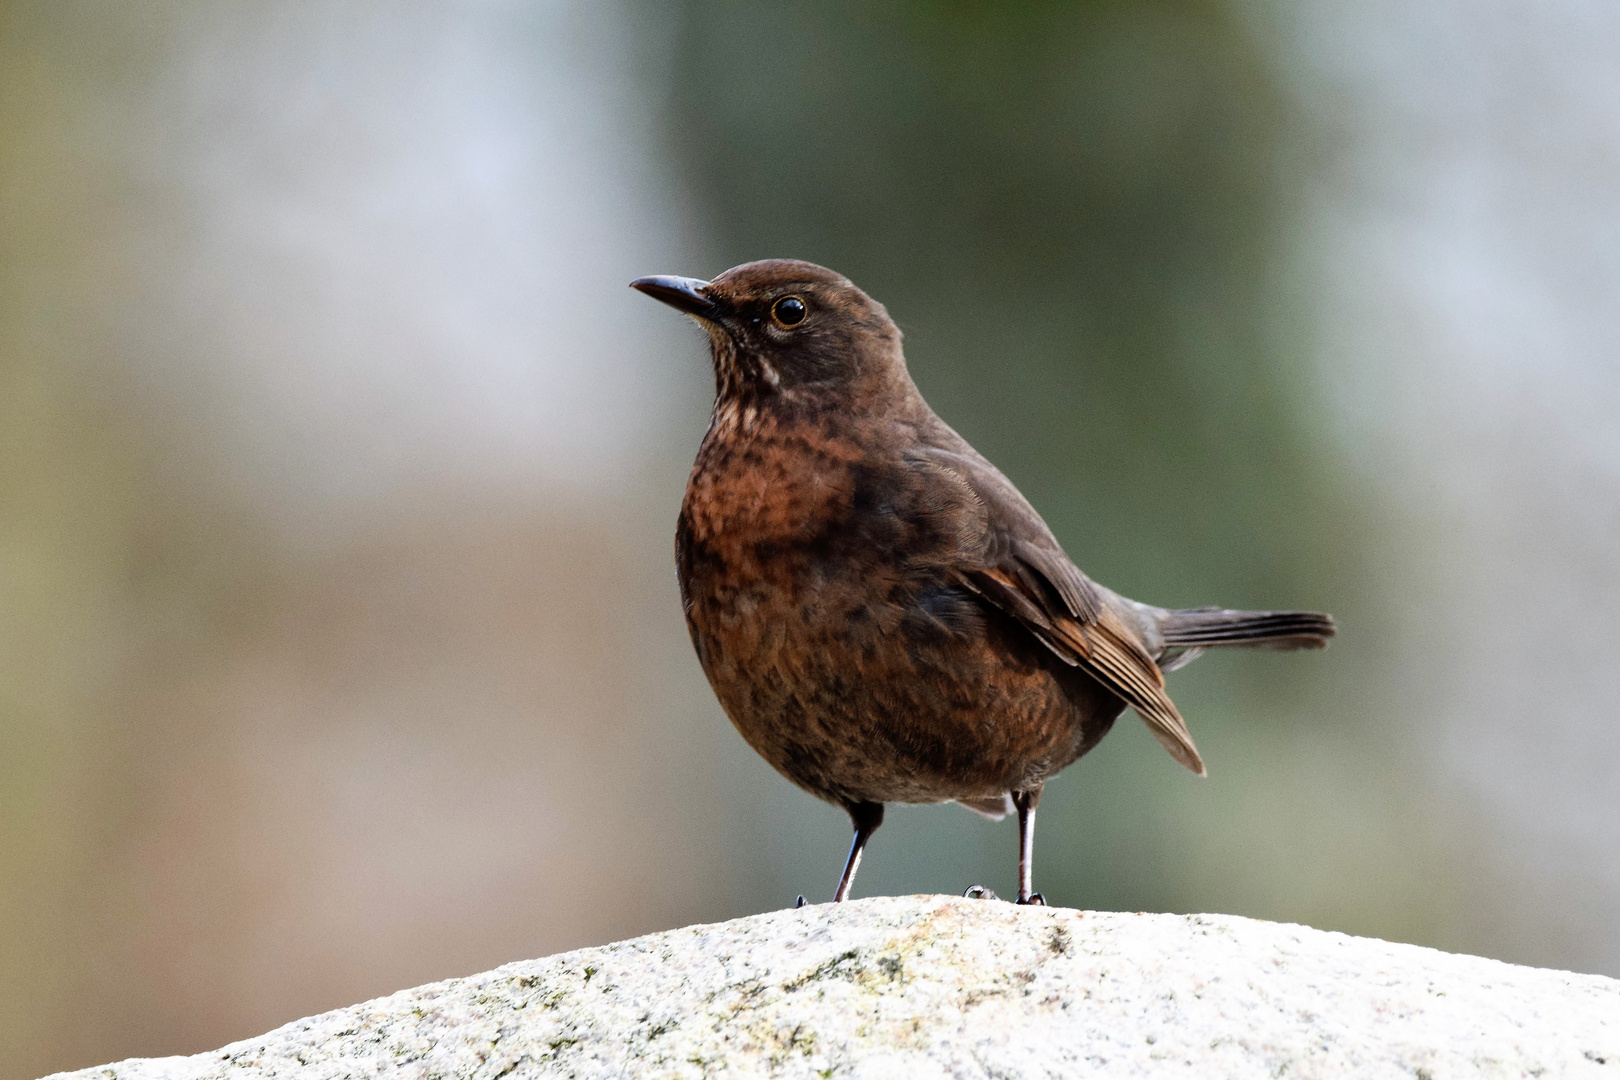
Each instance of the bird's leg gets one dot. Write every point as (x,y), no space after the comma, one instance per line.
(1025,802)
(867,816)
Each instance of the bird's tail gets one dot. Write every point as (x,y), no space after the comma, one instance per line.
(1200,627)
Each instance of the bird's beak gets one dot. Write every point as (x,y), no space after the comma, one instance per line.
(681,293)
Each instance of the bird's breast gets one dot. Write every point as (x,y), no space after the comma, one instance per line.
(783,536)
(835,644)
(769,491)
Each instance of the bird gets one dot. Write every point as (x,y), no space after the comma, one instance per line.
(882,615)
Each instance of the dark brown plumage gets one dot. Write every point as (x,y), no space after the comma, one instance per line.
(880,612)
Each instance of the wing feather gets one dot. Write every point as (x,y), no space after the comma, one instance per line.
(1125,669)
(1003,551)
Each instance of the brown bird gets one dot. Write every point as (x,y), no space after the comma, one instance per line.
(880,612)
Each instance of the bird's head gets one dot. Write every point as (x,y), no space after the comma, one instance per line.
(788,330)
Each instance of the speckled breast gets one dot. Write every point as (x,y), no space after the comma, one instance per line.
(854,668)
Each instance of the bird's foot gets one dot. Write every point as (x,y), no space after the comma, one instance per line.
(1033,899)
(979,892)
(801,902)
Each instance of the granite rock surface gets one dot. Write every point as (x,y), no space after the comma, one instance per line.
(926,986)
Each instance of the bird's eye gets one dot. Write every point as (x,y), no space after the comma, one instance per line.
(788,311)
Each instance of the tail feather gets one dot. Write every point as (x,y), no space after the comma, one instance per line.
(1264,629)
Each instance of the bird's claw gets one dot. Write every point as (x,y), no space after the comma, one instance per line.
(801,902)
(1033,899)
(979,892)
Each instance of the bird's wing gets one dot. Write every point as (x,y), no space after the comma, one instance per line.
(1000,549)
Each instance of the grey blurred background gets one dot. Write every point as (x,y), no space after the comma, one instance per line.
(340,648)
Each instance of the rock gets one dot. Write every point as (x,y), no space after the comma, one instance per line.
(942,987)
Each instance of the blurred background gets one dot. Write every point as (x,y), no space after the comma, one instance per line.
(340,647)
